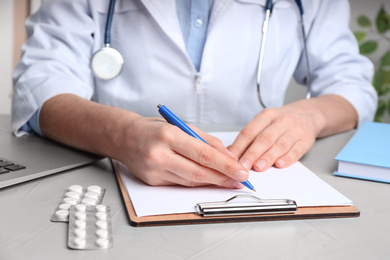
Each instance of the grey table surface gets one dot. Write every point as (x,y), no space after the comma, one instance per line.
(26,231)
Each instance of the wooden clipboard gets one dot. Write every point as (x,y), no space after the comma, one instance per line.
(192,218)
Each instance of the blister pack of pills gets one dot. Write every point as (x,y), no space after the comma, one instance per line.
(77,194)
(90,227)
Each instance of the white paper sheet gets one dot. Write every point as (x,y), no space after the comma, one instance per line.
(295,182)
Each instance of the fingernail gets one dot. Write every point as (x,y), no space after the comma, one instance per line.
(261,164)
(280,163)
(246,164)
(242,176)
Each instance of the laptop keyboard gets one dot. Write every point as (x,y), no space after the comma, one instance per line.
(7,166)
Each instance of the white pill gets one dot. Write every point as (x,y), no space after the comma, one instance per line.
(64,206)
(80,232)
(102,242)
(101,224)
(80,242)
(95,188)
(101,208)
(80,224)
(76,188)
(62,214)
(72,201)
(103,233)
(81,207)
(80,215)
(73,194)
(92,195)
(88,201)
(101,215)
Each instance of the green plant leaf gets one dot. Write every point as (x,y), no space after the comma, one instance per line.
(363,21)
(360,36)
(378,81)
(382,21)
(381,82)
(388,107)
(378,118)
(380,111)
(386,81)
(368,47)
(385,61)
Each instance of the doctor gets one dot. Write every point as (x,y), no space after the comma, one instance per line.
(200,58)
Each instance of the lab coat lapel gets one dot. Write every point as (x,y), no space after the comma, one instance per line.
(164,12)
(218,7)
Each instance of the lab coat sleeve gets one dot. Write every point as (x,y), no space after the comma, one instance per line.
(55,58)
(335,63)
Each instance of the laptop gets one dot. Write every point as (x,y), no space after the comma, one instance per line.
(30,157)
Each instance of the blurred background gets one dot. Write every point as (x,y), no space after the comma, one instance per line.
(370,22)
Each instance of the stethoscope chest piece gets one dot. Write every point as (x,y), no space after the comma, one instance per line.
(106,63)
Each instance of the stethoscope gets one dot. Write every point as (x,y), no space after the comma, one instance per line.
(107,63)
(268,11)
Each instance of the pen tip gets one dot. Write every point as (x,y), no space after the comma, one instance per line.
(254,189)
(158,106)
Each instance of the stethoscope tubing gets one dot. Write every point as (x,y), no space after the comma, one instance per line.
(110,15)
(268,12)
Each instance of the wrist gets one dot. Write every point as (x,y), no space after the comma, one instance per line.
(119,132)
(330,114)
(310,109)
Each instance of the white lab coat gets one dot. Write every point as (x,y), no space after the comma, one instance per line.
(64,34)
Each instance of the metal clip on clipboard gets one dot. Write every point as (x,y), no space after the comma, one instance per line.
(231,207)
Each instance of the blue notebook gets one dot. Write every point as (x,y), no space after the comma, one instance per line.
(367,155)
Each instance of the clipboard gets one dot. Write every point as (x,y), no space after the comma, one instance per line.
(193,218)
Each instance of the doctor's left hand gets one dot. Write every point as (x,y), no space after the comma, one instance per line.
(281,136)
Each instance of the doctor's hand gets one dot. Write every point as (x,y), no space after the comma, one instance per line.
(161,154)
(155,151)
(281,136)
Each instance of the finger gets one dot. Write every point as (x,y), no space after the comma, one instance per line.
(174,180)
(188,173)
(171,179)
(167,178)
(248,134)
(279,148)
(261,144)
(215,142)
(179,180)
(244,139)
(294,154)
(209,157)
(161,175)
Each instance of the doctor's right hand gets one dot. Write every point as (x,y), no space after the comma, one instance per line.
(161,154)
(154,151)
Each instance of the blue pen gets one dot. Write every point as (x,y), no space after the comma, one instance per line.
(174,120)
